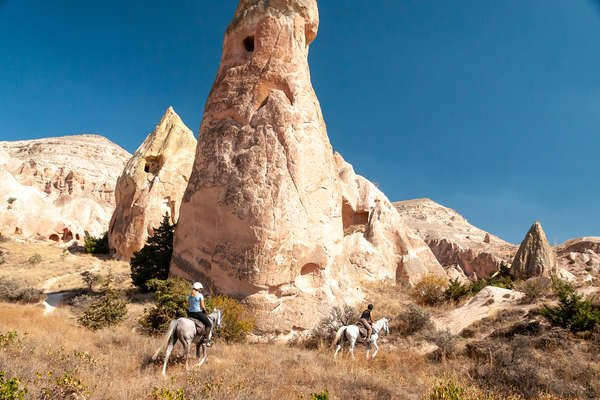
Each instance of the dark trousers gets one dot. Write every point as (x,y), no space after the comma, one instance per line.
(200,316)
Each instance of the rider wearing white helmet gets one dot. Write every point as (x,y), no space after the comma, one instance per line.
(197,308)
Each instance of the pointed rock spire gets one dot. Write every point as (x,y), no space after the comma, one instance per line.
(152,184)
(535,257)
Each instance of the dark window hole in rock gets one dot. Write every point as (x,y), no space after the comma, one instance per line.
(249,43)
(353,221)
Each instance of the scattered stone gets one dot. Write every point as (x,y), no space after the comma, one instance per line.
(566,275)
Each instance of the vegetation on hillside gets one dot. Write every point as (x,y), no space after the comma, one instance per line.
(109,309)
(96,245)
(574,312)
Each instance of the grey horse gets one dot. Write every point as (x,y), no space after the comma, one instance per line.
(351,333)
(184,330)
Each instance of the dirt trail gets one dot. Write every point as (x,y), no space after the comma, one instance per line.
(55,299)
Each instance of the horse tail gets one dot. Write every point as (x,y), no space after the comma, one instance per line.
(338,335)
(170,331)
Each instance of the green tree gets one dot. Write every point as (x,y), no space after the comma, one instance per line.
(96,245)
(171,302)
(573,311)
(110,309)
(152,261)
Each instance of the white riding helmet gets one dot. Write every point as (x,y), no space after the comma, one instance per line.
(197,286)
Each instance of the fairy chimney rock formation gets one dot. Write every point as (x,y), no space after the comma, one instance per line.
(535,257)
(263,217)
(152,184)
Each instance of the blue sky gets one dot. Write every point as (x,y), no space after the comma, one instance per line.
(489,107)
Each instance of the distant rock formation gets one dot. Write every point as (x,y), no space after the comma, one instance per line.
(535,257)
(265,215)
(58,188)
(580,256)
(453,240)
(152,184)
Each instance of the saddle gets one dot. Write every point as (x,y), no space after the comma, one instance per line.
(362,330)
(200,328)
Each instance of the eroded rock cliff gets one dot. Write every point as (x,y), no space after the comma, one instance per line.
(270,213)
(58,188)
(453,240)
(152,184)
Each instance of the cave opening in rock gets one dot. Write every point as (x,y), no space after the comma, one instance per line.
(353,221)
(147,168)
(153,164)
(54,237)
(249,43)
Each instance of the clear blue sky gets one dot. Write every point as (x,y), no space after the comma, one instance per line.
(489,107)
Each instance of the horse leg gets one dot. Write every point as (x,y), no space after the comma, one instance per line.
(197,350)
(368,349)
(352,342)
(376,349)
(170,345)
(339,346)
(204,354)
(186,351)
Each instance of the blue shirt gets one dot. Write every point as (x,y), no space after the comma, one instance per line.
(195,302)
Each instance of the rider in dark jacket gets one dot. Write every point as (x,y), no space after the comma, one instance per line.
(367,319)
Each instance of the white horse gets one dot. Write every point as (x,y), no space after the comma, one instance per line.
(184,330)
(351,333)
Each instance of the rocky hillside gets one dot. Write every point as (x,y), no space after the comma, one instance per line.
(453,240)
(58,188)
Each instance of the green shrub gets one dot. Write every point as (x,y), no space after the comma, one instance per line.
(324,395)
(9,389)
(430,290)
(65,387)
(152,261)
(573,312)
(35,259)
(446,391)
(456,291)
(90,279)
(166,394)
(171,302)
(9,338)
(96,245)
(237,322)
(413,319)
(109,309)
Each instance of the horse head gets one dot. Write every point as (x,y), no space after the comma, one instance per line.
(217,318)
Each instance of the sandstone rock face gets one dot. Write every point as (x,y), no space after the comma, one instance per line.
(455,272)
(265,215)
(535,257)
(579,256)
(453,240)
(152,184)
(58,188)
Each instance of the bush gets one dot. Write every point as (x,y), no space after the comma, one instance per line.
(96,245)
(65,387)
(324,395)
(573,312)
(446,391)
(456,291)
(534,288)
(325,330)
(109,310)
(35,259)
(152,261)
(13,292)
(413,319)
(171,302)
(430,290)
(445,340)
(237,322)
(9,389)
(90,279)
(166,394)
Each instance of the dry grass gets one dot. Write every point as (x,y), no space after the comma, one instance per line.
(54,261)
(55,344)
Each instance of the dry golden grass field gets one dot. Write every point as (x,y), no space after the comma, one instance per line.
(55,358)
